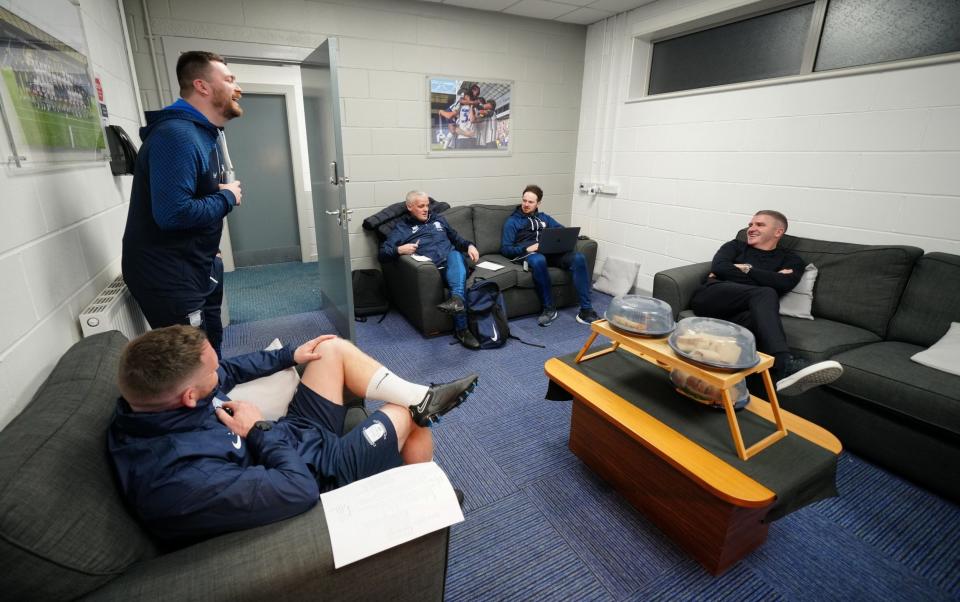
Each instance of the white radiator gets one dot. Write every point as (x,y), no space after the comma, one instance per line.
(114,309)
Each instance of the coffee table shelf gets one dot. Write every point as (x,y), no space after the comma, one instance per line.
(659,353)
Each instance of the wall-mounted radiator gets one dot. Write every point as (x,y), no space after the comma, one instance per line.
(114,309)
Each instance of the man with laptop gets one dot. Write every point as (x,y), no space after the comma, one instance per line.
(541,242)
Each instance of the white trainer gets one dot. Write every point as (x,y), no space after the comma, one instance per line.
(808,377)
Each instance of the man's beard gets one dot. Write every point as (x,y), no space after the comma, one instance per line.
(229,108)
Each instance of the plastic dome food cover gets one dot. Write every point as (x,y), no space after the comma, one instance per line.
(637,314)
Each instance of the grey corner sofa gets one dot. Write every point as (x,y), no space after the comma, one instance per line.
(873,308)
(65,532)
(416,288)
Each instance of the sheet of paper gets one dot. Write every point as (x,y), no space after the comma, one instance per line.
(420,257)
(388,509)
(489,265)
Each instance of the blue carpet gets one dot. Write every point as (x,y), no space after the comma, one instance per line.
(541,526)
(268,291)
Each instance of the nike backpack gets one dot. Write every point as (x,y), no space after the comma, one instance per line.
(487,314)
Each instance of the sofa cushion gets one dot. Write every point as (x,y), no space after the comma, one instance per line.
(930,302)
(943,355)
(883,374)
(821,339)
(505,277)
(858,285)
(558,277)
(461,220)
(488,226)
(63,524)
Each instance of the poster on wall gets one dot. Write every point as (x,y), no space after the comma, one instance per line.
(469,116)
(47,97)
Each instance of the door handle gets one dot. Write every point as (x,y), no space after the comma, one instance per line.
(337,212)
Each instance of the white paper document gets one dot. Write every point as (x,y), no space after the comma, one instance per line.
(420,257)
(388,509)
(489,265)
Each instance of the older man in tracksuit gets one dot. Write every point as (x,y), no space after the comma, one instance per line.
(429,235)
(521,241)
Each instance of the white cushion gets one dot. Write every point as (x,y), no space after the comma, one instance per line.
(272,394)
(944,355)
(617,276)
(799,301)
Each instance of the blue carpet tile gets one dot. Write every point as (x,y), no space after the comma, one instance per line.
(268,291)
(540,525)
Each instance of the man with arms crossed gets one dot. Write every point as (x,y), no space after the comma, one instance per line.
(429,235)
(193,464)
(180,196)
(744,286)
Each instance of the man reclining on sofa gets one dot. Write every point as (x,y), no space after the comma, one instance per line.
(429,235)
(744,286)
(192,463)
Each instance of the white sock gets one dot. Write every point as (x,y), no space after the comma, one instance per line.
(389,387)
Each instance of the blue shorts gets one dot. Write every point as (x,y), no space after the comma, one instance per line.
(339,458)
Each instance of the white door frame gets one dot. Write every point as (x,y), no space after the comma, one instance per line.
(270,70)
(297,151)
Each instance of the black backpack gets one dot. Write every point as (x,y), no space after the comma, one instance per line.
(487,314)
(369,295)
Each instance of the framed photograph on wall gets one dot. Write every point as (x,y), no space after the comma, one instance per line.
(469,116)
(49,105)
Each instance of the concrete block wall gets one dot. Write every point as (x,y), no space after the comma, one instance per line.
(867,158)
(60,229)
(388,48)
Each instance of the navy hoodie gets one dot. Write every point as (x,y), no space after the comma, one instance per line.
(176,207)
(187,476)
(521,230)
(435,235)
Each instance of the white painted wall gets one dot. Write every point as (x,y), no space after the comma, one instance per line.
(868,158)
(388,49)
(60,230)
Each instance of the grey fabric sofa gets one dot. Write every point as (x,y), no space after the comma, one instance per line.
(874,307)
(65,532)
(416,288)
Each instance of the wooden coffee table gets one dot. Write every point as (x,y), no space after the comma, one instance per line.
(711,509)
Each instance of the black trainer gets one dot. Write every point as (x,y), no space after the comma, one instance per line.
(453,305)
(548,315)
(442,398)
(801,376)
(587,316)
(467,339)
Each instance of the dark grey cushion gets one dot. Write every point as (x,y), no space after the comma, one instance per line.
(931,301)
(883,374)
(288,560)
(461,220)
(821,339)
(63,525)
(558,277)
(857,284)
(488,225)
(505,277)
